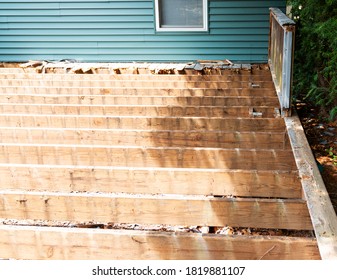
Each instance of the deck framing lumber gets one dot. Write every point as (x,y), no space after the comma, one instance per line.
(231,77)
(142,122)
(165,157)
(134,110)
(149,91)
(50,243)
(322,214)
(139,100)
(145,138)
(243,183)
(156,209)
(207,148)
(167,84)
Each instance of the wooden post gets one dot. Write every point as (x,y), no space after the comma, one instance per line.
(281,48)
(287,71)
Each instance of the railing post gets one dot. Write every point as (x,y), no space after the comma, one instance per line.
(281,48)
(287,71)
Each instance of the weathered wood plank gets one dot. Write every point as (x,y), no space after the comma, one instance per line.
(157,123)
(136,110)
(138,91)
(128,156)
(145,138)
(243,183)
(321,210)
(50,243)
(156,209)
(140,100)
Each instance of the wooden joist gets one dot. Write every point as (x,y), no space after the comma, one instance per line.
(193,181)
(156,209)
(168,84)
(137,91)
(165,157)
(139,100)
(155,123)
(50,243)
(136,110)
(218,77)
(230,77)
(145,138)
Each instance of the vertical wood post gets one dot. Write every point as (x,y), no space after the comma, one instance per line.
(281,48)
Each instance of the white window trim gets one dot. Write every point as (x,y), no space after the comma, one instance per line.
(180,29)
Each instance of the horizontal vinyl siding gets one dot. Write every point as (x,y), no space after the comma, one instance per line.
(89,30)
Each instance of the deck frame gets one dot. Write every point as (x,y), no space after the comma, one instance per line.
(38,242)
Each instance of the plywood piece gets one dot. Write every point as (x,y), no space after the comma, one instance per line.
(51,243)
(156,209)
(187,181)
(321,210)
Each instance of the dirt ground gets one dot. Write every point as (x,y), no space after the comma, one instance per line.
(322,137)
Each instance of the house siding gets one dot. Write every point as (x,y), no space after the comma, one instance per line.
(89,30)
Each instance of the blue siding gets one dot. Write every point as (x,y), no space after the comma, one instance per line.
(117,30)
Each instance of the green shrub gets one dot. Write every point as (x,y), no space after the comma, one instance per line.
(315,65)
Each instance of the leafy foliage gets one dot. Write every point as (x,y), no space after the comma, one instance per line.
(315,68)
(332,155)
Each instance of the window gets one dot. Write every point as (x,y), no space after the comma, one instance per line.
(181,15)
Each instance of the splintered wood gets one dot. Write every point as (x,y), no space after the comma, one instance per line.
(183,151)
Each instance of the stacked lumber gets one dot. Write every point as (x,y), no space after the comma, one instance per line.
(175,157)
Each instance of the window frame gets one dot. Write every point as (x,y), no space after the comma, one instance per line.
(204,28)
